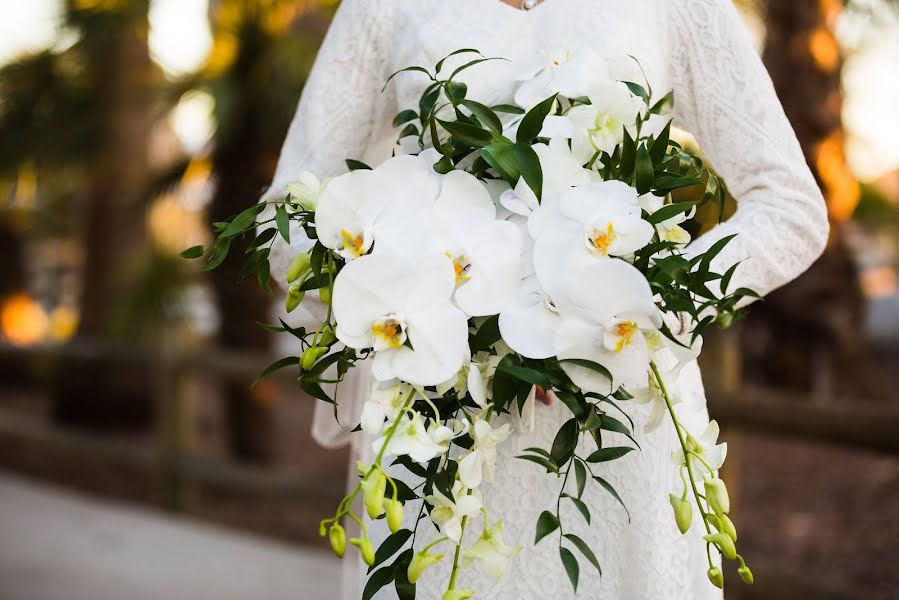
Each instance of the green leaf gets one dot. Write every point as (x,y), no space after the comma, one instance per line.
(428,100)
(580,474)
(439,64)
(546,524)
(589,364)
(405,590)
(378,579)
(546,463)
(663,106)
(529,166)
(282,220)
(192,252)
(637,90)
(484,114)
(508,109)
(607,454)
(470,135)
(643,170)
(585,550)
(456,90)
(404,117)
(242,222)
(582,508)
(472,63)
(571,567)
(390,546)
(487,335)
(609,488)
(277,366)
(670,210)
(219,252)
(263,238)
(532,123)
(407,70)
(263,275)
(565,442)
(499,156)
(356,165)
(525,374)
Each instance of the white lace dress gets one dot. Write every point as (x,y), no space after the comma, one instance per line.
(723,96)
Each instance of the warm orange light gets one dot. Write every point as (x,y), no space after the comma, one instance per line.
(63,323)
(23,321)
(824,50)
(840,185)
(879,282)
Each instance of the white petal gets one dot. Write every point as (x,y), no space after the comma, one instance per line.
(365,290)
(495,271)
(432,279)
(372,418)
(477,387)
(581,340)
(347,203)
(612,287)
(555,126)
(529,327)
(463,193)
(471,469)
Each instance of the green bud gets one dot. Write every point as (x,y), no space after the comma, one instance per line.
(724,320)
(324,295)
(727,527)
(373,489)
(327,337)
(746,575)
(683,512)
(394,510)
(724,543)
(365,549)
(299,267)
(322,530)
(457,594)
(294,297)
(338,540)
(311,356)
(716,577)
(420,562)
(716,495)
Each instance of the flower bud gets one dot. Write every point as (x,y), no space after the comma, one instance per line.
(727,527)
(457,594)
(716,495)
(322,530)
(746,575)
(365,549)
(337,536)
(716,577)
(301,265)
(724,543)
(420,562)
(394,510)
(311,355)
(327,336)
(373,488)
(724,320)
(683,512)
(294,297)
(324,295)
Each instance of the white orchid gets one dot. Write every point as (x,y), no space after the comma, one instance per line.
(383,210)
(706,447)
(492,551)
(480,462)
(599,126)
(412,439)
(612,306)
(404,312)
(447,513)
(670,230)
(476,375)
(670,358)
(561,70)
(384,404)
(305,192)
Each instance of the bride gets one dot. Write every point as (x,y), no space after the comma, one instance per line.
(724,98)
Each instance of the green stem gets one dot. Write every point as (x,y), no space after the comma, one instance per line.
(455,572)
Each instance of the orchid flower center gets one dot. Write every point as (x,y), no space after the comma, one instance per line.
(462,266)
(389,332)
(600,239)
(619,334)
(604,125)
(354,244)
(557,59)
(550,304)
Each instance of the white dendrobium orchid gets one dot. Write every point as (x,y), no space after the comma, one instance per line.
(384,404)
(480,462)
(475,376)
(485,253)
(412,439)
(384,210)
(598,126)
(404,312)
(594,221)
(612,307)
(670,230)
(492,551)
(670,358)
(305,192)
(706,447)
(561,70)
(447,513)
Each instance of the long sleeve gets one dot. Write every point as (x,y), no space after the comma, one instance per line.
(340,114)
(725,98)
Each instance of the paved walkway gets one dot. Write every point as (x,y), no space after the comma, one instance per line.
(56,545)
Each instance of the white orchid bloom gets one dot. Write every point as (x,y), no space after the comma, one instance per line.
(447,513)
(475,376)
(305,192)
(591,222)
(706,447)
(385,210)
(598,126)
(492,551)
(561,70)
(480,462)
(412,439)
(484,252)
(404,312)
(670,230)
(670,358)
(612,306)
(384,404)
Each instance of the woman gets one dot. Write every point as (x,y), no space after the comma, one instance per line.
(723,96)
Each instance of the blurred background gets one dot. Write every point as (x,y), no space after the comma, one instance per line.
(137,462)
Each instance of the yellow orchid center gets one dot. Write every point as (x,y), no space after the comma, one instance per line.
(389,332)
(619,334)
(600,240)
(462,266)
(354,244)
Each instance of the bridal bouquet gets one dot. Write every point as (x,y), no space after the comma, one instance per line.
(521,250)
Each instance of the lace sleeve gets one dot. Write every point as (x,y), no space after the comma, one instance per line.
(338,110)
(725,98)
